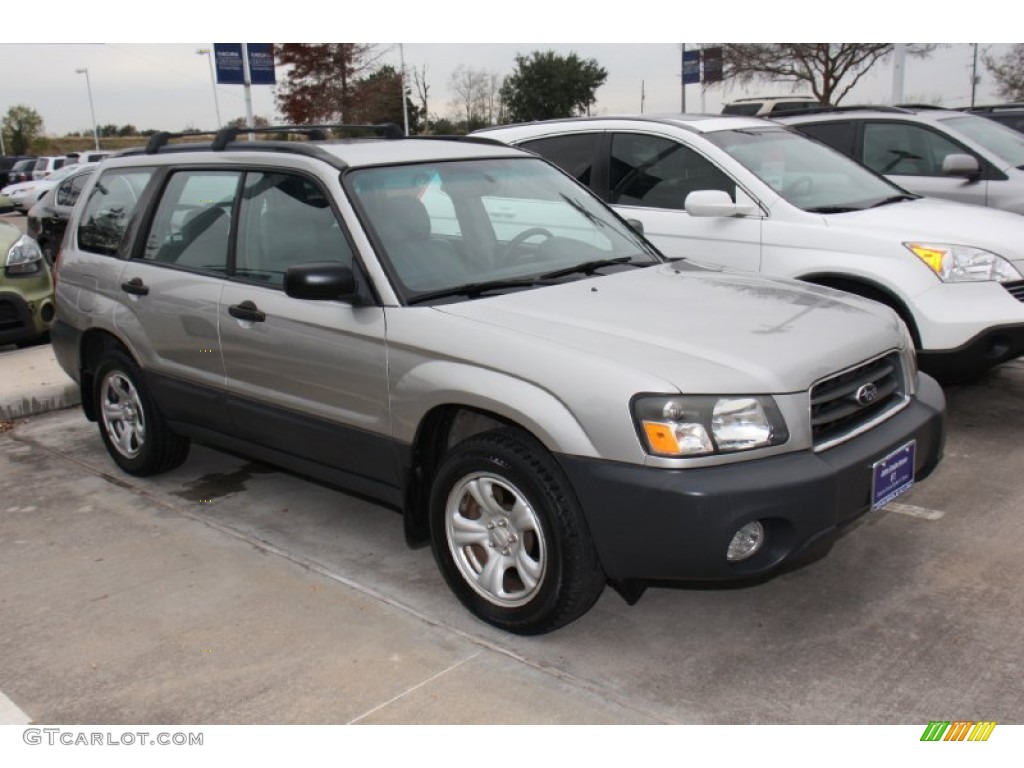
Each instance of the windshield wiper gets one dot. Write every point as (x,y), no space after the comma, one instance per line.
(895,199)
(472,290)
(588,267)
(833,209)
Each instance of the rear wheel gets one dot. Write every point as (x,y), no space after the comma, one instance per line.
(509,536)
(133,429)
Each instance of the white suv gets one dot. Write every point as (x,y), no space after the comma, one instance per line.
(935,152)
(752,195)
(769,105)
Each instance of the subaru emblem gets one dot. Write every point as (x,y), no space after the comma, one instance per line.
(867,394)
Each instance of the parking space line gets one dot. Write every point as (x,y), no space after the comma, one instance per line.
(909,509)
(10,714)
(418,685)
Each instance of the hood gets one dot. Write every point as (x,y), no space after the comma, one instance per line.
(9,235)
(940,221)
(703,331)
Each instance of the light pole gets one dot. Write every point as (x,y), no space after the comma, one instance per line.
(92,112)
(213,81)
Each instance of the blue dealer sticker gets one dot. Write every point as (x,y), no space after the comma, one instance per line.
(892,475)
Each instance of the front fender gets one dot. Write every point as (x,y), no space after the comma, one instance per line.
(441,383)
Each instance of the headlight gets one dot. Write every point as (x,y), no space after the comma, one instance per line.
(24,258)
(964,264)
(699,425)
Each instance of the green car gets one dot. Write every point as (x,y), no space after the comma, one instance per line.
(26,289)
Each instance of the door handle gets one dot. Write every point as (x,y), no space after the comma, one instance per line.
(247,311)
(136,287)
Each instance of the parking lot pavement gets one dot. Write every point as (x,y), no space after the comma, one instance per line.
(228,592)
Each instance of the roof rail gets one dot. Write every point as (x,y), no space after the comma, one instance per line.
(996,107)
(922,106)
(826,109)
(225,136)
(459,137)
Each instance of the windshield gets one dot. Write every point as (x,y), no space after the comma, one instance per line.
(470,225)
(809,175)
(1001,141)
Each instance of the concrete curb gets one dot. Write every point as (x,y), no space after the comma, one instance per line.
(31,382)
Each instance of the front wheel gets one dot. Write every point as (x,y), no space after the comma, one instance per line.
(509,536)
(133,429)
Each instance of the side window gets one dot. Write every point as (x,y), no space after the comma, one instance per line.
(109,209)
(904,149)
(286,220)
(68,191)
(837,135)
(659,173)
(192,224)
(574,153)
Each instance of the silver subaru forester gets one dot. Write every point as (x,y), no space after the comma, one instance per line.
(460,330)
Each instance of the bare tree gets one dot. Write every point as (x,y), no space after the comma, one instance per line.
(472,87)
(1008,72)
(830,70)
(419,79)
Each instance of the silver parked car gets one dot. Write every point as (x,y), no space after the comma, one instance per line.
(463,332)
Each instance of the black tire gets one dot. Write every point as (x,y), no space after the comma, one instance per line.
(523,560)
(133,429)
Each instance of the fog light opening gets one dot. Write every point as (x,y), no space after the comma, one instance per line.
(745,542)
(47,312)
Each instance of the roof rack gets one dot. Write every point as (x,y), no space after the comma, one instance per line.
(851,108)
(459,137)
(996,107)
(226,136)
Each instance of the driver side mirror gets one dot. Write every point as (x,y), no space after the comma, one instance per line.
(961,165)
(714,202)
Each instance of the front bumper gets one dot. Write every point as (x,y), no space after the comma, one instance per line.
(26,315)
(654,523)
(986,350)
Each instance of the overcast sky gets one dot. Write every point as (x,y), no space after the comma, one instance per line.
(154,84)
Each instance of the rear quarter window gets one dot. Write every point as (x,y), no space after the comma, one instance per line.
(109,209)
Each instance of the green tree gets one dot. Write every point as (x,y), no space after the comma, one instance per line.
(1008,72)
(22,125)
(378,99)
(829,70)
(546,86)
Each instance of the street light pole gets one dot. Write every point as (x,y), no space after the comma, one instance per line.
(92,111)
(213,82)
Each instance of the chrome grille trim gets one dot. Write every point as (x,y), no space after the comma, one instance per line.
(836,413)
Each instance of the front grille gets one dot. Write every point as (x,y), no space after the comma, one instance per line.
(1016,289)
(10,318)
(843,403)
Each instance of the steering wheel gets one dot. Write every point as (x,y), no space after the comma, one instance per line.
(516,242)
(800,187)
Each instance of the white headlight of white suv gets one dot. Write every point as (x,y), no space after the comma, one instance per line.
(964,264)
(697,425)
